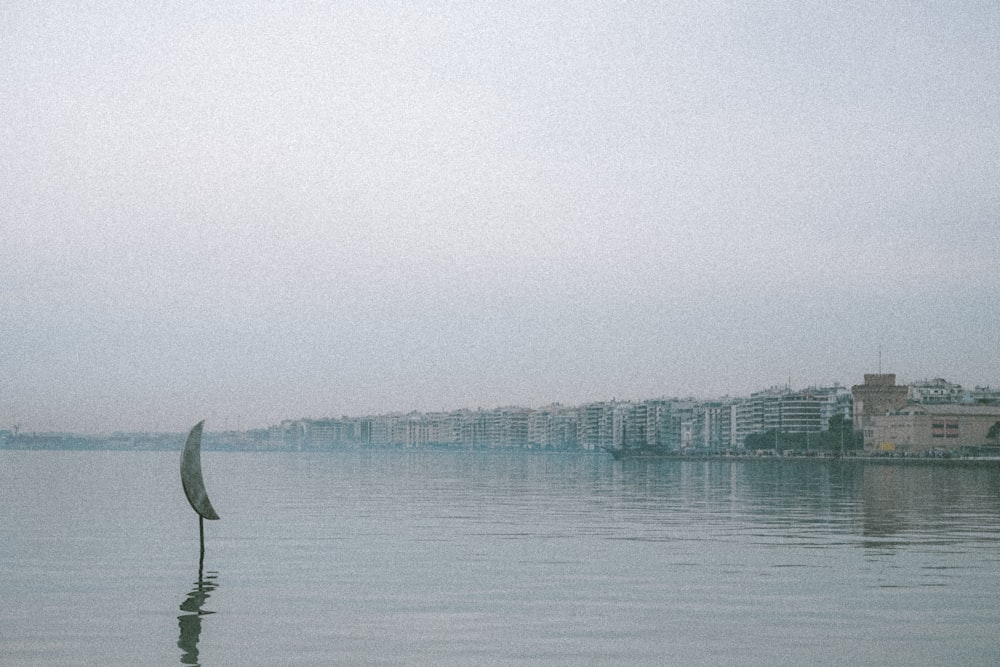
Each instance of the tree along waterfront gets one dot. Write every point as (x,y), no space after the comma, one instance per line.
(839,437)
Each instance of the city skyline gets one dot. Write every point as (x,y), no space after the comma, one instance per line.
(922,390)
(244,211)
(934,418)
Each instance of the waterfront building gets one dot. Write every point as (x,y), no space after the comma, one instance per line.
(383,427)
(473,428)
(783,410)
(836,400)
(630,426)
(320,433)
(292,433)
(801,412)
(553,427)
(984,395)
(502,427)
(595,425)
(937,390)
(679,426)
(879,395)
(747,421)
(411,431)
(715,426)
(922,428)
(513,427)
(759,413)
(563,430)
(658,424)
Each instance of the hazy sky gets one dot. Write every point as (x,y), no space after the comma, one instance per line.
(253,211)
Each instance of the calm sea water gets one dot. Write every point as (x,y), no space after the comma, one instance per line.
(417,557)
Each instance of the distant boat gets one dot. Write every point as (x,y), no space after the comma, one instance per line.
(617,452)
(621,453)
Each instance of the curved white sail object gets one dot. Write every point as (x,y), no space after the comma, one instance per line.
(191,479)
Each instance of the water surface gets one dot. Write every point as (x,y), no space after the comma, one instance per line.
(427,557)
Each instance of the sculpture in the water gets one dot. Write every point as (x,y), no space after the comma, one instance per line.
(194,485)
(191,479)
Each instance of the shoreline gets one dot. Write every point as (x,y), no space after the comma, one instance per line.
(886,460)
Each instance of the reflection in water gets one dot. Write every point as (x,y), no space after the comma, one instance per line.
(880,505)
(905,504)
(190,619)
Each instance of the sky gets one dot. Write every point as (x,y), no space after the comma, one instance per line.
(255,211)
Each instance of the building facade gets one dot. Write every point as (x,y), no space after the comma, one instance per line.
(925,428)
(877,396)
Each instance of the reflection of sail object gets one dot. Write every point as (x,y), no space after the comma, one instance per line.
(190,620)
(194,485)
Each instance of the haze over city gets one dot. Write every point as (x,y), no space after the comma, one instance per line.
(253,211)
